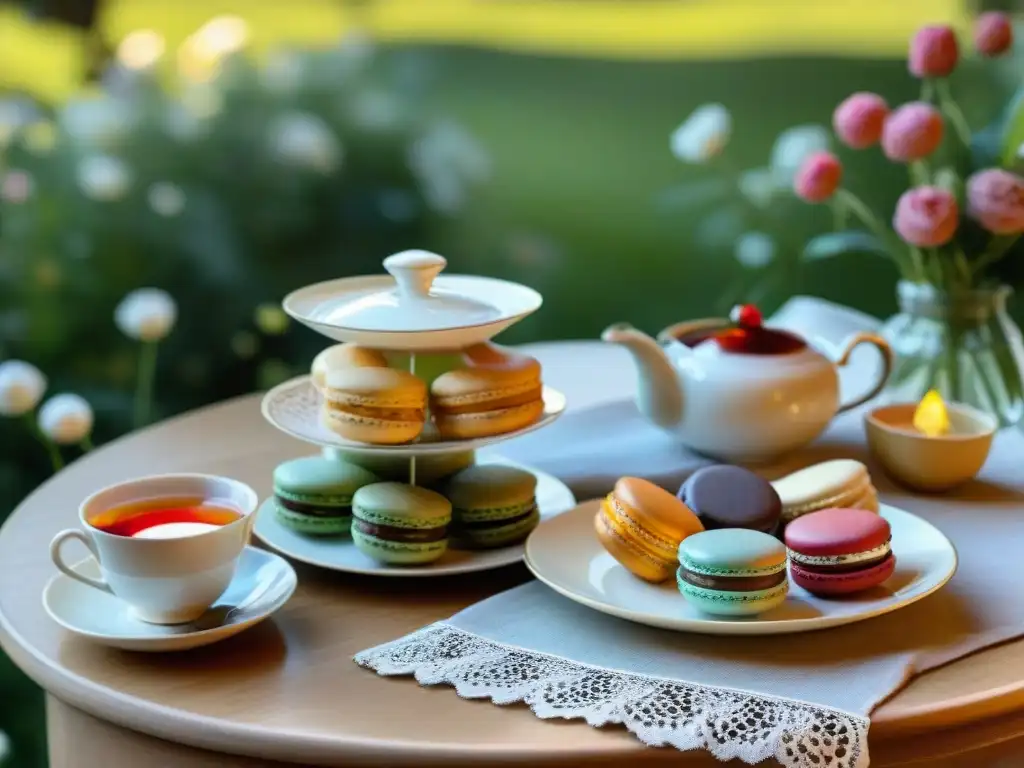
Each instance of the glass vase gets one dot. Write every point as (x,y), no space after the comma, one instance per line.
(965,345)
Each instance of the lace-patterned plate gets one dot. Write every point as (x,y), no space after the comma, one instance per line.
(553,498)
(565,554)
(294,408)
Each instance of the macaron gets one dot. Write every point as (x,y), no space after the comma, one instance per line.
(313,495)
(840,551)
(497,391)
(346,355)
(493,505)
(431,469)
(733,572)
(400,524)
(837,483)
(724,496)
(383,406)
(642,525)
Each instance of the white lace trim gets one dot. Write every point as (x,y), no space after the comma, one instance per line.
(729,724)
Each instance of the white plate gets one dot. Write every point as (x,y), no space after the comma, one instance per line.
(262,584)
(294,408)
(553,498)
(312,306)
(566,555)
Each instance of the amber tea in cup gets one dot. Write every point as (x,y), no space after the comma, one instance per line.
(167,545)
(166,518)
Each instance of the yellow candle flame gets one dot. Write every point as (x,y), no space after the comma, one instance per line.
(931,417)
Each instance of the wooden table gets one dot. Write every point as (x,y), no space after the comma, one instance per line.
(288,691)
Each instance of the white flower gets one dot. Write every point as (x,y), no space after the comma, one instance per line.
(795,145)
(703,135)
(141,49)
(166,198)
(755,250)
(66,419)
(147,314)
(376,111)
(103,178)
(16,186)
(306,141)
(21,387)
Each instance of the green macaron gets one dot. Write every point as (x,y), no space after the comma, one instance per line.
(400,524)
(313,495)
(733,571)
(493,505)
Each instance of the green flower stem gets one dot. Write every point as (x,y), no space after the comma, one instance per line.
(144,384)
(86,444)
(952,110)
(839,214)
(919,175)
(56,460)
(895,248)
(927,90)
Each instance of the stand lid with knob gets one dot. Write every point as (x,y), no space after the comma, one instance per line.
(416,308)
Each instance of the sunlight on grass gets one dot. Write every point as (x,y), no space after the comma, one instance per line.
(46,60)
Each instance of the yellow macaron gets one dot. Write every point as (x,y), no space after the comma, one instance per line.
(341,356)
(642,525)
(383,406)
(497,391)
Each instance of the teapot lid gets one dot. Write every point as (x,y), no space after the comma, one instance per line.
(411,303)
(749,336)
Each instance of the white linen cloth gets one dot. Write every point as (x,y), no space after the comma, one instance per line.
(802,699)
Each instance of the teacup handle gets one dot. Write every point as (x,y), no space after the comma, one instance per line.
(887,359)
(58,558)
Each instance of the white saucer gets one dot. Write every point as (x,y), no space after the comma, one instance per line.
(322,307)
(340,554)
(262,584)
(566,555)
(294,408)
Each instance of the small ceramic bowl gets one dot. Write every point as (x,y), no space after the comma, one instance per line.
(930,463)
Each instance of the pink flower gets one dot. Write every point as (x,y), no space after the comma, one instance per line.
(995,198)
(858,120)
(926,216)
(818,178)
(933,51)
(911,132)
(993,33)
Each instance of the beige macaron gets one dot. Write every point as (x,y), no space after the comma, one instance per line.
(341,356)
(383,406)
(498,391)
(837,483)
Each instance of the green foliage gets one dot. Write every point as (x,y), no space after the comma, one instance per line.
(847,243)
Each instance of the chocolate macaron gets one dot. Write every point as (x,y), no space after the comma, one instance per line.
(724,496)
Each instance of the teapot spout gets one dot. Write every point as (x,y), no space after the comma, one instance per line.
(659,397)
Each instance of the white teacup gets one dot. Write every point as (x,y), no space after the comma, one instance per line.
(164,580)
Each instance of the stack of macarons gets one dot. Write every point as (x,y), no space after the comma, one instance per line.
(493,505)
(400,524)
(490,391)
(313,495)
(839,483)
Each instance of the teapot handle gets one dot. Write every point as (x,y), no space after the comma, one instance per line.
(887,361)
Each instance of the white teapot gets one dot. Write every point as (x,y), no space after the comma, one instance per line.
(739,392)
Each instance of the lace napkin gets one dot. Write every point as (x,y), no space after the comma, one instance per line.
(801,699)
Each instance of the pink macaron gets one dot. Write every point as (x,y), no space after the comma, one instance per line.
(840,551)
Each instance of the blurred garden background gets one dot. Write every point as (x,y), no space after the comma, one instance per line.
(228,152)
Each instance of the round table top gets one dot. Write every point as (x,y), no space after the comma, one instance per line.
(288,689)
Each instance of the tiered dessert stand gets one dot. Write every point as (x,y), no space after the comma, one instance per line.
(415,310)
